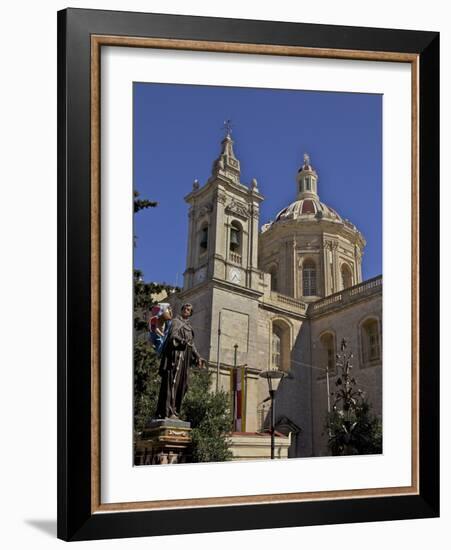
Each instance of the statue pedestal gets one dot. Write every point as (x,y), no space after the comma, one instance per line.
(164,442)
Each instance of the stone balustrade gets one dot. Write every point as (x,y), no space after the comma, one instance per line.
(286,302)
(346,296)
(235,258)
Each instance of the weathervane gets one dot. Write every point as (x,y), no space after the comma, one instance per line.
(228,126)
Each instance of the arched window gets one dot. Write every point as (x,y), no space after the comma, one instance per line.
(280,345)
(346,276)
(371,349)
(235,237)
(203,242)
(309,278)
(327,341)
(274,281)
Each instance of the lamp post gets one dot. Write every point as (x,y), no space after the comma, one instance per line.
(271,375)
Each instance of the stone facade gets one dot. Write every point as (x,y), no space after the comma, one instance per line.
(342,316)
(257,446)
(282,297)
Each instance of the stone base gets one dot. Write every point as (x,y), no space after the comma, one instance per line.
(257,445)
(164,441)
(162,422)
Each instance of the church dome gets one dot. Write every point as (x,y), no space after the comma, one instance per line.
(308,209)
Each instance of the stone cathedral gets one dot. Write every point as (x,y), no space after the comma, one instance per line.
(280,296)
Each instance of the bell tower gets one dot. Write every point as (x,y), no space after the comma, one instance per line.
(222,279)
(223,225)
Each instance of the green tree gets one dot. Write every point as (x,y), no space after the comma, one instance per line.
(351,426)
(208,413)
(210,418)
(141,204)
(146,361)
(145,384)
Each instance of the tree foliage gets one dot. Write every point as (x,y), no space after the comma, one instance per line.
(146,361)
(141,204)
(210,418)
(208,413)
(351,426)
(146,383)
(144,299)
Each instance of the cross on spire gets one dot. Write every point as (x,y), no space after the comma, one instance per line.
(228,126)
(227,164)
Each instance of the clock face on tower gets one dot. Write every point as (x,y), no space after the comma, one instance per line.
(235,275)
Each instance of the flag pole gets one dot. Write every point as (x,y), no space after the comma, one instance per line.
(218,356)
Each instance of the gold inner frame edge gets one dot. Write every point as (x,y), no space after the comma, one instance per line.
(97,41)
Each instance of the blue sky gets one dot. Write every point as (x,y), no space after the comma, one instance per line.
(177,134)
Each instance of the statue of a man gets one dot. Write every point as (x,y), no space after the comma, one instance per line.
(178,355)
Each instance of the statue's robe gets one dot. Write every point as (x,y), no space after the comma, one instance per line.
(178,355)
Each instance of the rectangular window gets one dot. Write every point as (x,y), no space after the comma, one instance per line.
(370,343)
(330,359)
(373,346)
(309,281)
(204,239)
(275,351)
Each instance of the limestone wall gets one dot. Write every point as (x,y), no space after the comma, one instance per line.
(344,322)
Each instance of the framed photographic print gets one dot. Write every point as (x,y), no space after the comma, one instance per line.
(248,274)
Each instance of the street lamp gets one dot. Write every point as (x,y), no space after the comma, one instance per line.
(271,375)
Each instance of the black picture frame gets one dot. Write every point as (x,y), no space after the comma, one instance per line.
(76,519)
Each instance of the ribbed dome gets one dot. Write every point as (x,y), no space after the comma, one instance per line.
(307,208)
